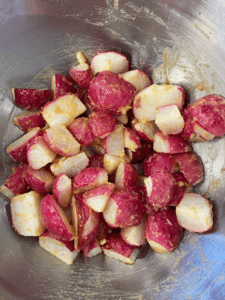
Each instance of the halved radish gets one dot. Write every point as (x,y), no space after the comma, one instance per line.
(194,213)
(62,190)
(61,141)
(39,154)
(70,166)
(25,210)
(61,85)
(31,99)
(126,175)
(116,247)
(18,149)
(39,180)
(53,218)
(81,130)
(28,120)
(138,79)
(81,74)
(112,61)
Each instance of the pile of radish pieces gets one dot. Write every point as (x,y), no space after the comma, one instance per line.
(109,166)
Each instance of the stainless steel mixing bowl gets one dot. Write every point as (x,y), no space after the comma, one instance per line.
(179,39)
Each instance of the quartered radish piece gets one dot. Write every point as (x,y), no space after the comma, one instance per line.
(62,190)
(61,85)
(101,123)
(126,175)
(28,120)
(138,79)
(115,142)
(81,130)
(81,75)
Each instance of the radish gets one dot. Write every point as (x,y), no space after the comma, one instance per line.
(39,180)
(97,197)
(16,183)
(39,154)
(139,154)
(132,140)
(121,119)
(194,213)
(146,131)
(138,79)
(163,231)
(135,235)
(86,222)
(202,133)
(149,207)
(63,250)
(116,247)
(112,61)
(89,178)
(92,249)
(101,123)
(81,75)
(160,188)
(70,166)
(111,162)
(62,190)
(31,99)
(148,100)
(63,110)
(28,120)
(159,162)
(170,143)
(61,141)
(180,188)
(53,218)
(18,149)
(108,92)
(25,210)
(169,119)
(115,142)
(124,208)
(191,167)
(61,85)
(96,160)
(81,130)
(126,175)
(97,146)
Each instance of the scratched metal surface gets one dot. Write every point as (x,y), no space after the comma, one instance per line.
(39,38)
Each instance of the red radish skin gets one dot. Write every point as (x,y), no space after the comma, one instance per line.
(202,133)
(163,231)
(170,143)
(31,99)
(108,92)
(92,249)
(25,211)
(149,207)
(81,130)
(160,189)
(18,149)
(61,141)
(62,85)
(194,213)
(191,166)
(148,100)
(137,78)
(126,175)
(138,155)
(63,250)
(96,161)
(115,142)
(145,131)
(39,154)
(159,162)
(101,123)
(209,113)
(181,187)
(97,197)
(116,247)
(29,120)
(104,231)
(81,75)
(62,190)
(63,110)
(70,166)
(135,235)
(89,178)
(39,180)
(53,218)
(124,208)
(16,183)
(112,61)
(132,140)
(86,222)
(188,131)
